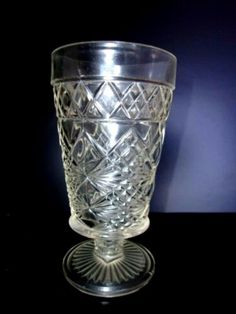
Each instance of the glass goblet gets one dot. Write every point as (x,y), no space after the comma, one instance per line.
(112,102)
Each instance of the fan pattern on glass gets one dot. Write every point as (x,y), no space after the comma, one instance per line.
(93,268)
(111,135)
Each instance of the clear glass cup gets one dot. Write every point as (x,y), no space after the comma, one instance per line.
(112,102)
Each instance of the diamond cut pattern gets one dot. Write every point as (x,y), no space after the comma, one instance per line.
(111,134)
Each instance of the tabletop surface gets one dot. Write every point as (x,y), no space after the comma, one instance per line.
(194,253)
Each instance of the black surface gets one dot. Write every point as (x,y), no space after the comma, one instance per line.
(195,263)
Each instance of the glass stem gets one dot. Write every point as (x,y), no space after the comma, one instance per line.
(108,249)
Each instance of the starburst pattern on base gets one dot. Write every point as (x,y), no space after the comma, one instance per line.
(83,268)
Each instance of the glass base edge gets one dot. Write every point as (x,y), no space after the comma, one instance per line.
(130,274)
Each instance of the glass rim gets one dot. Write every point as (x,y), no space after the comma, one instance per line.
(114,60)
(112,44)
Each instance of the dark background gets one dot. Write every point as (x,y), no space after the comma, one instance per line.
(197,172)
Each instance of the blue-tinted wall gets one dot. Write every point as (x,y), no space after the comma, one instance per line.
(198,167)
